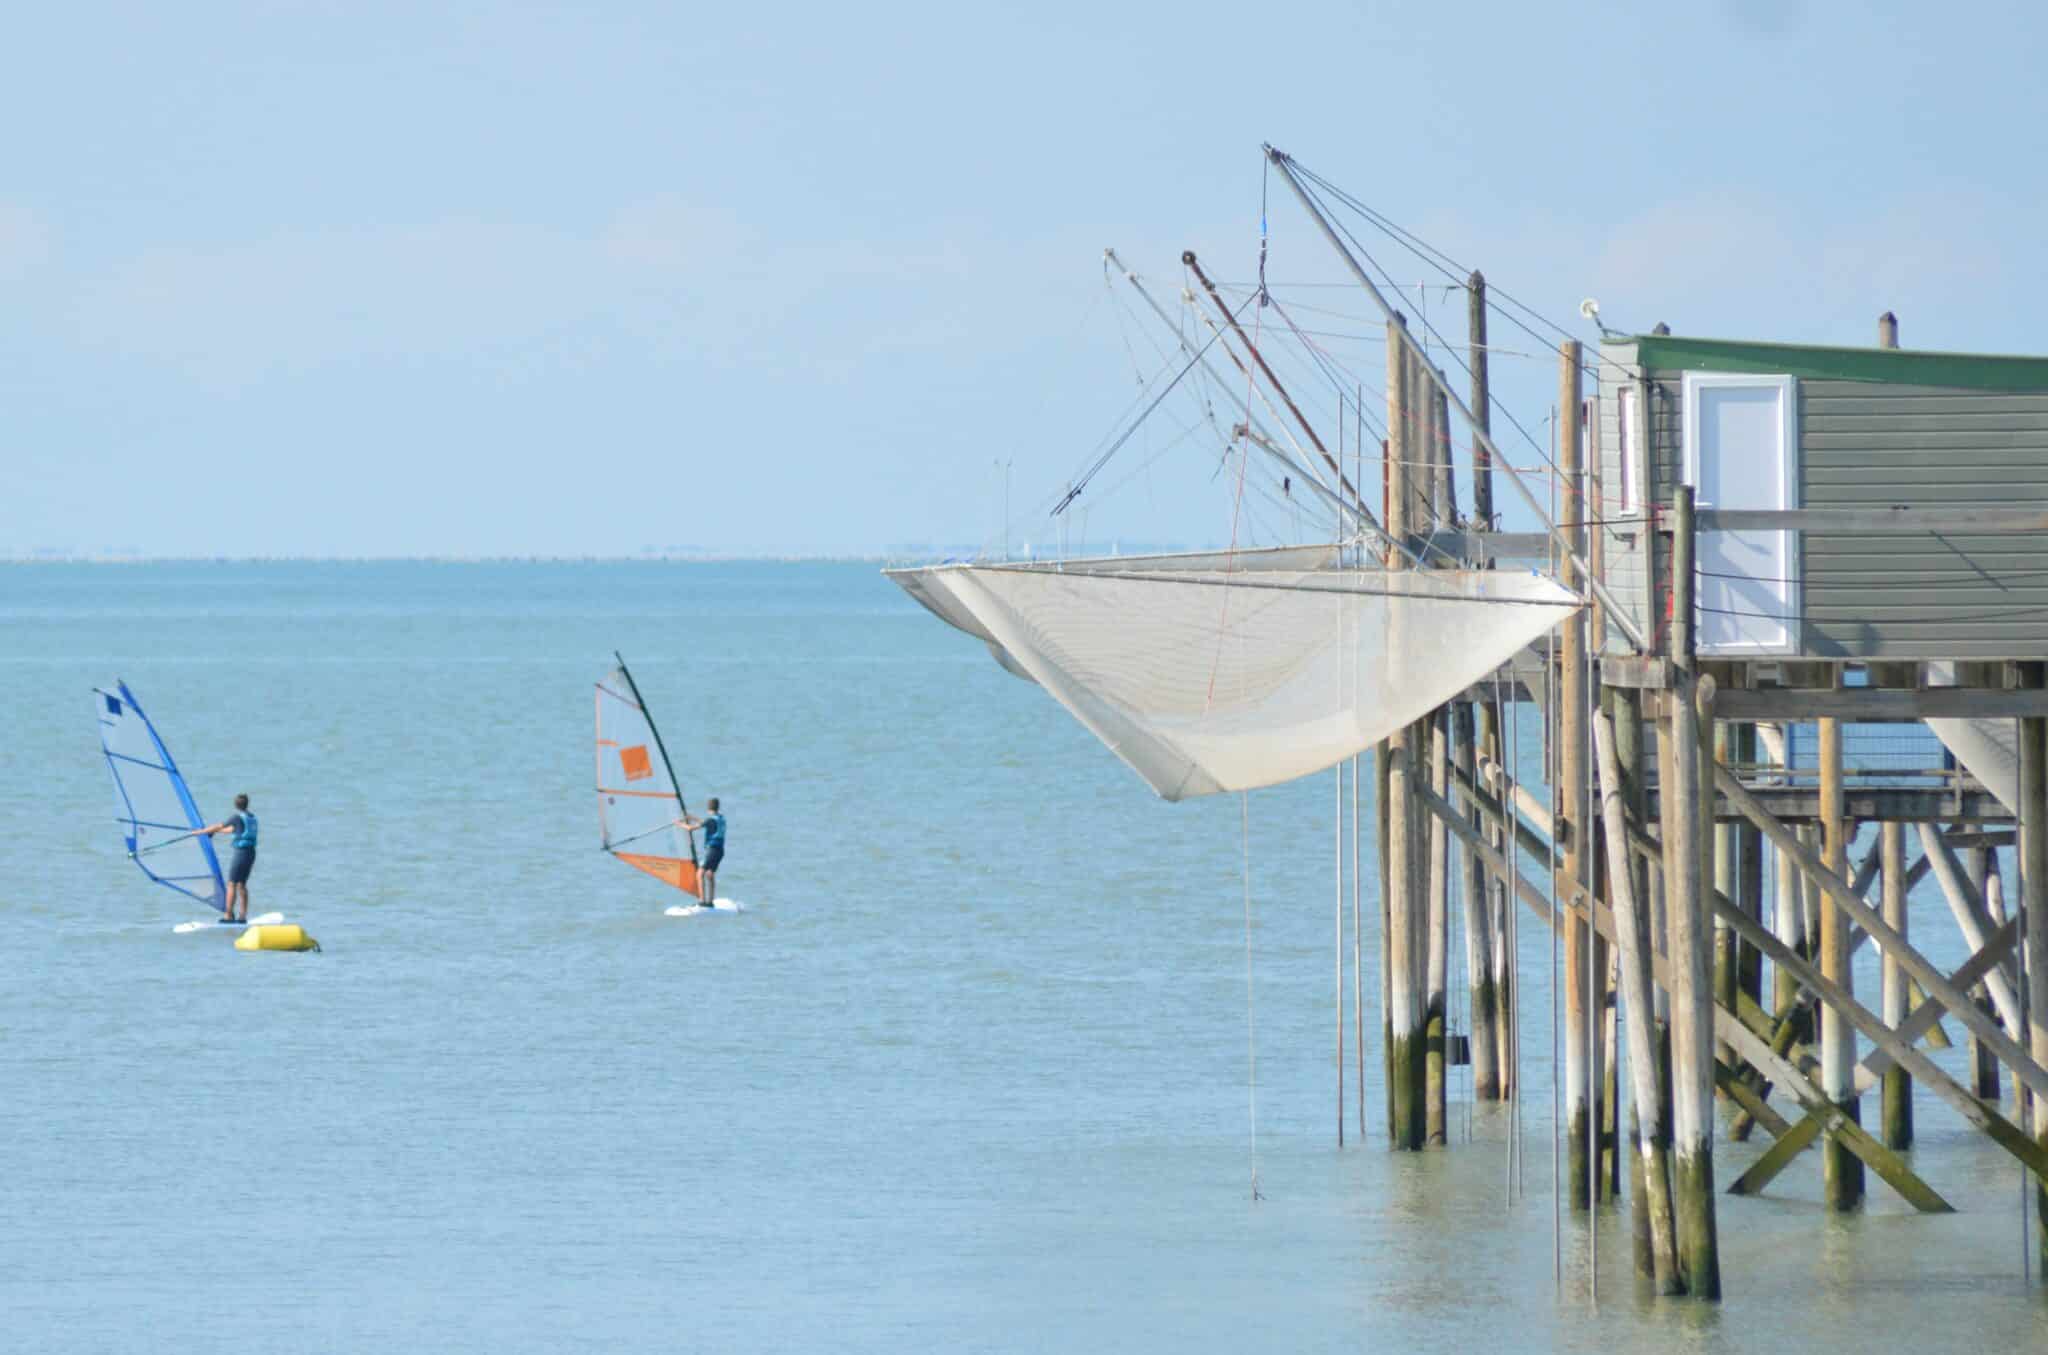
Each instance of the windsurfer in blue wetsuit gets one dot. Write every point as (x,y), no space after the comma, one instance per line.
(243,825)
(714,852)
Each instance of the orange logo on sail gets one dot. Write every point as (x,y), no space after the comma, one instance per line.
(636,763)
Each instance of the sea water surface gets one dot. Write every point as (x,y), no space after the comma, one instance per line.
(974,1073)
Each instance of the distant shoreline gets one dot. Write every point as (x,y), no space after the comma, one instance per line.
(886,555)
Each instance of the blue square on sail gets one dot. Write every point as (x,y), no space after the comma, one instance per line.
(113,705)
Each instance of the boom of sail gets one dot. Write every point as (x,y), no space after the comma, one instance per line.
(159,819)
(639,805)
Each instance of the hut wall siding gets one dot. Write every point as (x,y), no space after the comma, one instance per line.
(1864,444)
(1867,444)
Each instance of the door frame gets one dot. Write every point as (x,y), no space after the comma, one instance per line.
(1787,488)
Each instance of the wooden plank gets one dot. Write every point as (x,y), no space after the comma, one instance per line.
(1899,519)
(1638,671)
(1877,703)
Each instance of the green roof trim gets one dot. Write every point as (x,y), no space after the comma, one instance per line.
(1895,366)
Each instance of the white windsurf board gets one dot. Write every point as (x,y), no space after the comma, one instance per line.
(224,927)
(717,906)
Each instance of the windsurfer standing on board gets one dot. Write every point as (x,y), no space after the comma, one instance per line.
(714,851)
(243,825)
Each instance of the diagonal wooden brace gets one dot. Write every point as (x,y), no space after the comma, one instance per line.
(1912,961)
(1927,1015)
(2000,1130)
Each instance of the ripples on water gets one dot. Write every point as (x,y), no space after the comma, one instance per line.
(972,1074)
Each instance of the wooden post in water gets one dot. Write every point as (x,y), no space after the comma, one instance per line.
(1436,1023)
(1499,974)
(1383,852)
(1407,848)
(1898,1083)
(2033,895)
(1789,925)
(1692,940)
(1725,870)
(1435,452)
(1749,877)
(1478,917)
(1897,1096)
(1841,1170)
(1657,1250)
(1983,1063)
(1570,796)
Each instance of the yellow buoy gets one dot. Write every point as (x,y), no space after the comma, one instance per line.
(281,936)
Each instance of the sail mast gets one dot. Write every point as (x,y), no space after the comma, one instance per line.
(659,746)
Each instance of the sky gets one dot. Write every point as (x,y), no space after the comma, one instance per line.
(511,279)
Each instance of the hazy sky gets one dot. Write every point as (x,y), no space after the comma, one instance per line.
(503,278)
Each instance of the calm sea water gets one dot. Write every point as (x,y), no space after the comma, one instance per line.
(973,1073)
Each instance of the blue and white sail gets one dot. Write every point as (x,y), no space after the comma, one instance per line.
(152,803)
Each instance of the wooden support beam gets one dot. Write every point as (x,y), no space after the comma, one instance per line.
(1437,970)
(1876,804)
(1570,730)
(1405,940)
(1475,896)
(2033,854)
(1841,1170)
(1879,703)
(1897,1109)
(1691,939)
(1632,932)
(1896,521)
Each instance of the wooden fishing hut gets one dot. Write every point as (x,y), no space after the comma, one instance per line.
(1810,676)
(1829,550)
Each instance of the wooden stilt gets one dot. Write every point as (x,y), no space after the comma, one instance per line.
(1725,867)
(2033,895)
(1841,1170)
(1437,994)
(1898,1083)
(1749,878)
(1407,850)
(1383,852)
(1984,1066)
(1685,880)
(1478,918)
(1577,1108)
(1653,1167)
(1790,928)
(1500,962)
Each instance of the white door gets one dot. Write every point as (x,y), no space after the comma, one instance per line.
(1741,451)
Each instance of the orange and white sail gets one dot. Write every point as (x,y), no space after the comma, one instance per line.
(639,806)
